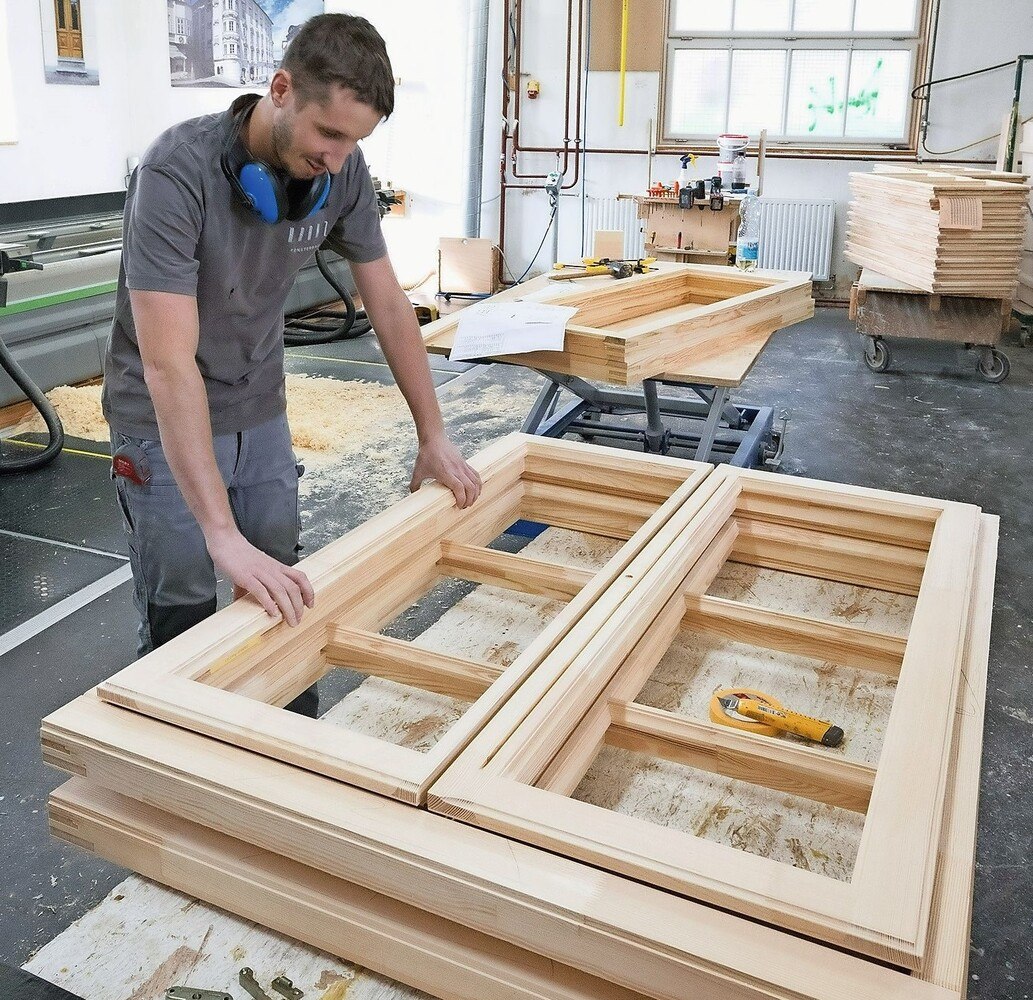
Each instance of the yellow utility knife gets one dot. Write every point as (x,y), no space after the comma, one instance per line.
(784,719)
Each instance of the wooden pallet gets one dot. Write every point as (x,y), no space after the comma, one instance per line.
(625,912)
(643,326)
(957,233)
(885,307)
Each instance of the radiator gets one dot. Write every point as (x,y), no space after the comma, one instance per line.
(796,235)
(613,214)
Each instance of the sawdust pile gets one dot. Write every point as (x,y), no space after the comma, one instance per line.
(331,417)
(328,417)
(79,410)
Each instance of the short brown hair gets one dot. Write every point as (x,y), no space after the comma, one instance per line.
(345,50)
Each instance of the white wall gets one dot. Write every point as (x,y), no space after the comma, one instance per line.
(420,149)
(971,35)
(70,139)
(8,120)
(75,140)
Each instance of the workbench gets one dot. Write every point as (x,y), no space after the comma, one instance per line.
(696,235)
(712,427)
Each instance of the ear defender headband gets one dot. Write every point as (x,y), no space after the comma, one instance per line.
(261,189)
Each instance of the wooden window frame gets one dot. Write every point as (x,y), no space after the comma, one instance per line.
(514,776)
(649,941)
(651,324)
(833,148)
(228,676)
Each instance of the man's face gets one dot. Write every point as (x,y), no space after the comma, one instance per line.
(319,135)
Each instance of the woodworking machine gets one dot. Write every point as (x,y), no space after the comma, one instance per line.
(55,320)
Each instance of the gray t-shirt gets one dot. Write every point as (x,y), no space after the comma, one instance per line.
(185,233)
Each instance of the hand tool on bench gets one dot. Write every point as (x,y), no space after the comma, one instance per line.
(592,266)
(193,993)
(754,711)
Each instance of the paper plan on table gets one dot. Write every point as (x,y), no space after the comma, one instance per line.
(493,328)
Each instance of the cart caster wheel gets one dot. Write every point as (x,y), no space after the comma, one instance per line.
(1025,335)
(994,366)
(876,355)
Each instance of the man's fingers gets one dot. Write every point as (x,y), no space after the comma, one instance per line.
(475,481)
(308,594)
(283,600)
(458,488)
(258,591)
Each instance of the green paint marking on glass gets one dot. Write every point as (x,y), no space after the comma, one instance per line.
(57,298)
(864,101)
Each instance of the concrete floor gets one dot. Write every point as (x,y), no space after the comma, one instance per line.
(931,426)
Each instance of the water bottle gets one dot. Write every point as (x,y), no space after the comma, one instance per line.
(747,243)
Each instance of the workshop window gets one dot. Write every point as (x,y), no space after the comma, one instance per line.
(814,73)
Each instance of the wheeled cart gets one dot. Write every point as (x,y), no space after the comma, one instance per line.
(884,308)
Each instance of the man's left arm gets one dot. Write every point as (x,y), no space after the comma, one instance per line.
(394,320)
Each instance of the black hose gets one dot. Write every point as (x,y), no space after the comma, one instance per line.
(49,414)
(303,332)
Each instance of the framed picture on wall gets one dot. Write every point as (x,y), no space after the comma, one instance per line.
(231,43)
(69,42)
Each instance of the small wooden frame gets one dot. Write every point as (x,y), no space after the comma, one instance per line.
(228,676)
(641,327)
(515,777)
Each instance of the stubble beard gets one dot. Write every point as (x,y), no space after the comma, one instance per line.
(283,140)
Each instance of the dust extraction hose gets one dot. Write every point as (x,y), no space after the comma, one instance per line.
(49,414)
(301,332)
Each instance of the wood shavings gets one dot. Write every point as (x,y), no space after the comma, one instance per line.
(329,418)
(79,410)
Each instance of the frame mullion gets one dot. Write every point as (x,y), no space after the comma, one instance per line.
(405,663)
(756,626)
(759,760)
(511,572)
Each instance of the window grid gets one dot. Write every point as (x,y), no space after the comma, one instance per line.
(794,41)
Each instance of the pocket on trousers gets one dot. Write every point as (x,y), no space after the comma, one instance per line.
(123,503)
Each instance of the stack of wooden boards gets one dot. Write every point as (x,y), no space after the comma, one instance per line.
(475,870)
(1024,164)
(955,233)
(650,324)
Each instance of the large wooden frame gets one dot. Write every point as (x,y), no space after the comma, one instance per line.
(228,677)
(641,327)
(515,776)
(627,933)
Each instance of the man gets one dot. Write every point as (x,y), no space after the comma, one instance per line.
(221,214)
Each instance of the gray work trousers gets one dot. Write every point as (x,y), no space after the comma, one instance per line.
(173,573)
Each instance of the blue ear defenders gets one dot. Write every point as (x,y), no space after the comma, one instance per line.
(261,189)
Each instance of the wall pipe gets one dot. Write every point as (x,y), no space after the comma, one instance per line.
(477,83)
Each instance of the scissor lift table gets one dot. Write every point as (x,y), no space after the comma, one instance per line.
(702,423)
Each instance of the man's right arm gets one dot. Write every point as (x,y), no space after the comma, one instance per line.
(167,332)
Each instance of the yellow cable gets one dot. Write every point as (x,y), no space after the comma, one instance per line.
(69,451)
(624,61)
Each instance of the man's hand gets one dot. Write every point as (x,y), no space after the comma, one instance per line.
(281,590)
(440,459)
